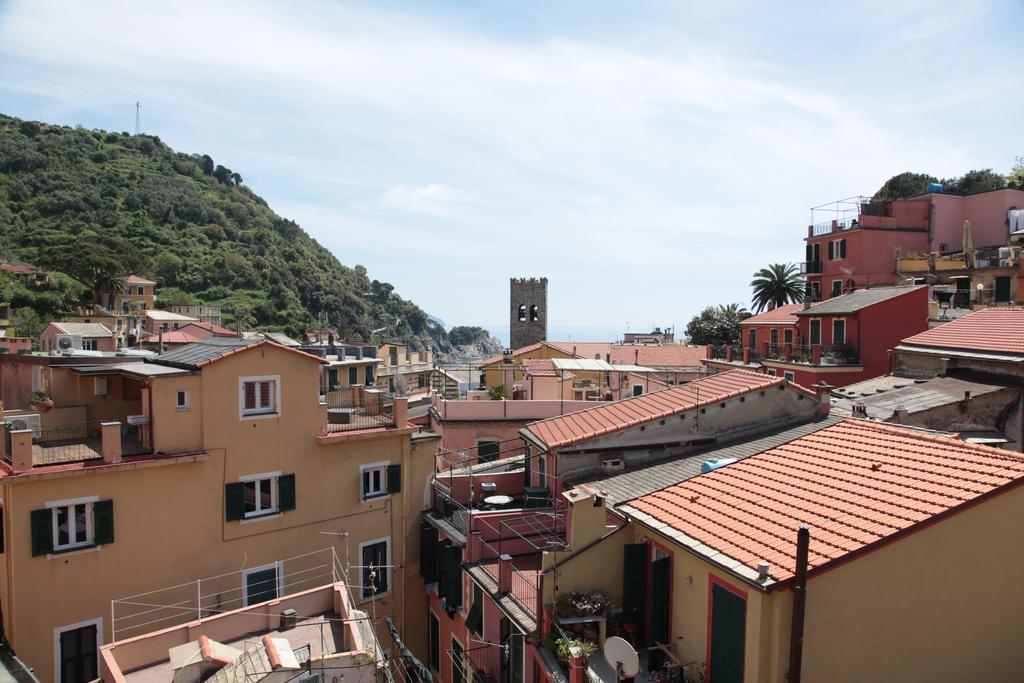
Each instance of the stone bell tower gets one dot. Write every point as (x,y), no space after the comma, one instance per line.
(528,311)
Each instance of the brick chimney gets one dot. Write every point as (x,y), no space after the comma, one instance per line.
(588,519)
(823,390)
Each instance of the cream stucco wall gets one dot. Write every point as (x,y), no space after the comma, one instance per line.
(169,512)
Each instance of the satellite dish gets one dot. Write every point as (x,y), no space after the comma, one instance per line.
(622,657)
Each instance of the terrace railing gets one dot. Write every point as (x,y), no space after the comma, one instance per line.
(352,410)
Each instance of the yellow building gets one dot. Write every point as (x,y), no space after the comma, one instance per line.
(215,458)
(906,570)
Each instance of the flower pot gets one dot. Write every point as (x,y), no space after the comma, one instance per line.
(43,406)
(580,612)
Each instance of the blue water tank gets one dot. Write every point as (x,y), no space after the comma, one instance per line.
(934,187)
(714,464)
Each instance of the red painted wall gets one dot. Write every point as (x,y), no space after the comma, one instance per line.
(870,257)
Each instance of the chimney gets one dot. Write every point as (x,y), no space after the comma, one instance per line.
(763,571)
(504,573)
(823,391)
(587,518)
(21,449)
(966,403)
(110,442)
(860,410)
(901,415)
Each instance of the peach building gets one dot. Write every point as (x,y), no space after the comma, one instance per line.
(216,456)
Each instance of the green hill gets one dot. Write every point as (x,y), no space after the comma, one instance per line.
(96,205)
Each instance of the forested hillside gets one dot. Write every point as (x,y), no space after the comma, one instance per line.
(96,205)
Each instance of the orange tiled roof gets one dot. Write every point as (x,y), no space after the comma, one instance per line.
(781,314)
(606,418)
(138,280)
(856,483)
(652,355)
(173,337)
(217,330)
(995,330)
(540,367)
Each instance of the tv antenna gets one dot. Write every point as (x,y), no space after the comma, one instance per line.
(138,117)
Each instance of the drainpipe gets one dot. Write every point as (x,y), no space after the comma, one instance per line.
(796,636)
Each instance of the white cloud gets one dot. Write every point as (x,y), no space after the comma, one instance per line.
(644,174)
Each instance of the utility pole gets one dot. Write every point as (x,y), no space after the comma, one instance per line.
(138,117)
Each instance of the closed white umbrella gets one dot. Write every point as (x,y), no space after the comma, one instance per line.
(968,245)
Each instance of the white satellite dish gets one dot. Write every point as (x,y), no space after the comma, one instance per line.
(622,657)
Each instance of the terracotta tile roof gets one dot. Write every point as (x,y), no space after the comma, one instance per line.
(652,355)
(995,330)
(138,280)
(781,314)
(564,430)
(855,484)
(217,330)
(174,337)
(540,367)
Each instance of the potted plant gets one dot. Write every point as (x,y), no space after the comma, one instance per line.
(564,644)
(563,605)
(580,603)
(40,402)
(598,601)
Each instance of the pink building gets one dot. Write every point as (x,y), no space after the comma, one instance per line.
(859,245)
(84,336)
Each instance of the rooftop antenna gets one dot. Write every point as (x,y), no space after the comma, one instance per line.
(138,117)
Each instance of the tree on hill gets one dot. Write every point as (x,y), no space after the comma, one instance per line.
(99,205)
(778,284)
(975,181)
(1016,178)
(904,186)
(717,325)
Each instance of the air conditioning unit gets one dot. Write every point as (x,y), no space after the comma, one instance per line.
(21,421)
(68,342)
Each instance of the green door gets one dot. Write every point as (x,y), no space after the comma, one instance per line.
(728,626)
(661,579)
(1002,288)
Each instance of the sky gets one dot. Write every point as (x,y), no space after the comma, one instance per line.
(646,157)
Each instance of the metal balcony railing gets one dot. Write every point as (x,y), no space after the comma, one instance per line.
(347,411)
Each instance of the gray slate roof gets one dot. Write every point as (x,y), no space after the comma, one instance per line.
(856,300)
(882,395)
(190,356)
(640,482)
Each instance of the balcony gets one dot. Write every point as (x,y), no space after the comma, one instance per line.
(814,354)
(73,442)
(357,407)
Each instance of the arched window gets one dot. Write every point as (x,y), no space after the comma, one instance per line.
(522,313)
(534,313)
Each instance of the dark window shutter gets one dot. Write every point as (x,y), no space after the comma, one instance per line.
(515,655)
(428,552)
(234,501)
(475,619)
(394,478)
(453,576)
(831,250)
(42,532)
(842,248)
(286,492)
(103,522)
(634,582)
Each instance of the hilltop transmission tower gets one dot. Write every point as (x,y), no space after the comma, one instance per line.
(138,117)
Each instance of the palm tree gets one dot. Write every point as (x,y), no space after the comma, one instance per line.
(777,284)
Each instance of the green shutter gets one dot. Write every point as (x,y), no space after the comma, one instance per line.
(42,532)
(428,552)
(634,582)
(394,478)
(831,250)
(441,567)
(475,619)
(286,492)
(234,501)
(103,522)
(453,576)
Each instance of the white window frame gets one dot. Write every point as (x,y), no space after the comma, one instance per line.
(789,376)
(97,383)
(88,344)
(772,373)
(387,561)
(259,413)
(273,509)
(177,400)
(383,467)
(279,566)
(836,292)
(633,393)
(90,541)
(465,669)
(98,623)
